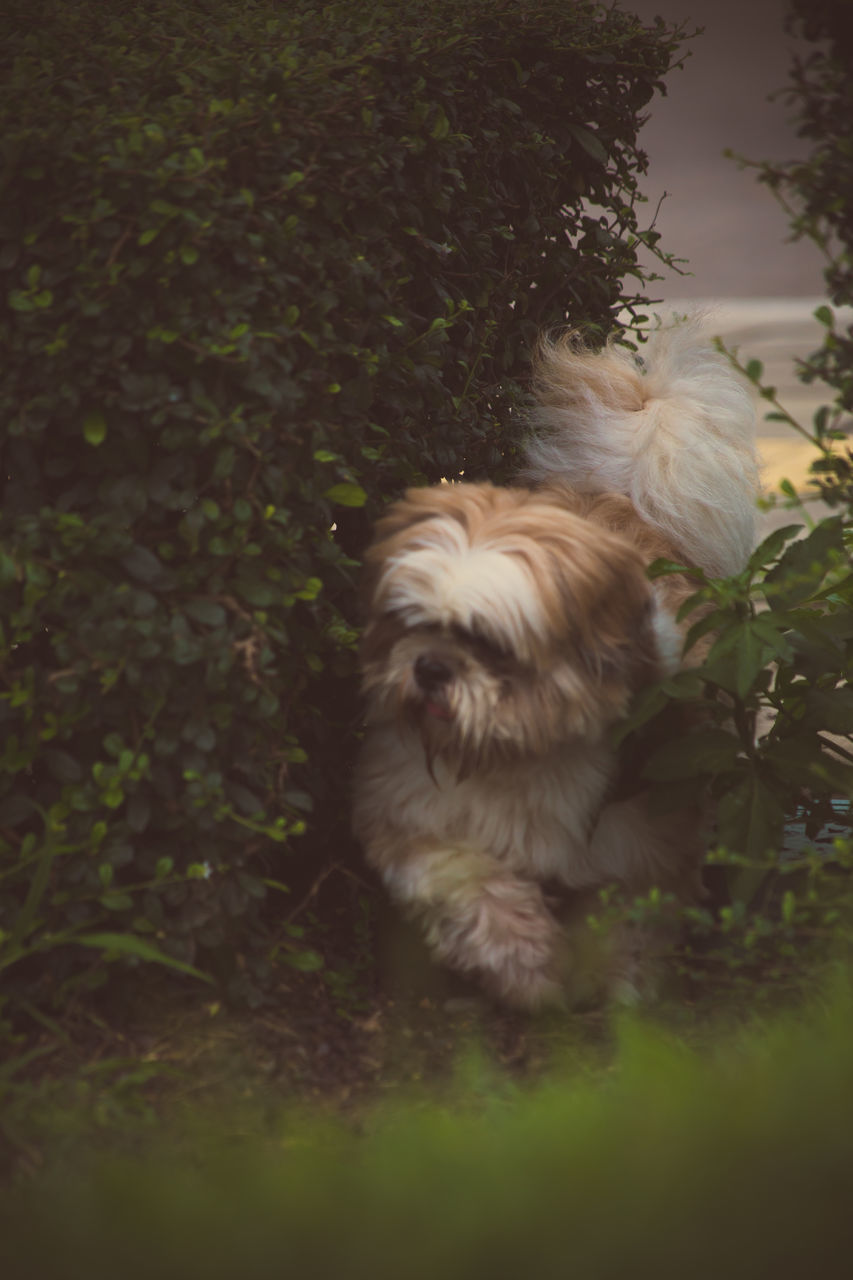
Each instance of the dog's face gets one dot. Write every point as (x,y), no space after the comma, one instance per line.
(501,624)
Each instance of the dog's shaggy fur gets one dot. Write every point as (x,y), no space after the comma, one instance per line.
(508,631)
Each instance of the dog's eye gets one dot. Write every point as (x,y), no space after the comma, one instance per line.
(484,645)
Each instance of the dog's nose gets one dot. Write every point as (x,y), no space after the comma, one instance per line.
(431,673)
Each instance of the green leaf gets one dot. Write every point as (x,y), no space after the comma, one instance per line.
(95,428)
(116,901)
(37,888)
(206,611)
(709,751)
(347,495)
(661,567)
(128,944)
(750,659)
(647,704)
(802,568)
(750,818)
(441,128)
(260,594)
(707,623)
(769,631)
(142,564)
(794,758)
(312,588)
(737,658)
(590,142)
(770,548)
(831,709)
(306,961)
(62,766)
(275,884)
(788,907)
(8,569)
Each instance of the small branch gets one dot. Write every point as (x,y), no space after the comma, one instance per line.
(771,399)
(312,892)
(830,745)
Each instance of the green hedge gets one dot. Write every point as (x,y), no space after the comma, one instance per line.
(264,265)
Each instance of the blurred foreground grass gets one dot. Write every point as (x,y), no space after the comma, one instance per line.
(734,1159)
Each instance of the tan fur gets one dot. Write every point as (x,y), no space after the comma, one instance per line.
(508,631)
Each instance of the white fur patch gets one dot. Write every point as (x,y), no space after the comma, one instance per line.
(475,587)
(669,641)
(677,438)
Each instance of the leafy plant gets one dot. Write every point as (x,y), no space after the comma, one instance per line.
(773,690)
(771,715)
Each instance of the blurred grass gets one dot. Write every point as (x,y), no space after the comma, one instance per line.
(731,1160)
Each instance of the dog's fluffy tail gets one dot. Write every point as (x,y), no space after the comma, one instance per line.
(674,432)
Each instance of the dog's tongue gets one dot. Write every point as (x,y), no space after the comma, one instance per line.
(438,710)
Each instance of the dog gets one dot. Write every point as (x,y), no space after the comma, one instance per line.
(509,629)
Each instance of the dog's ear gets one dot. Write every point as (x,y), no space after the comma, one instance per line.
(641,651)
(624,623)
(621,650)
(592,580)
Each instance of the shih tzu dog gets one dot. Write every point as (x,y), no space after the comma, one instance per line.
(509,629)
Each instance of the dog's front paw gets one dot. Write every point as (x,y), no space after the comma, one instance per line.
(527,988)
(507,936)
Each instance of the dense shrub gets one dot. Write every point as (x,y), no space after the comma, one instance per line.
(264,265)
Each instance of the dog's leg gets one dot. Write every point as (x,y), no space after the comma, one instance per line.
(480,918)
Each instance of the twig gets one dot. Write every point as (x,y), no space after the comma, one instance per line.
(300,906)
